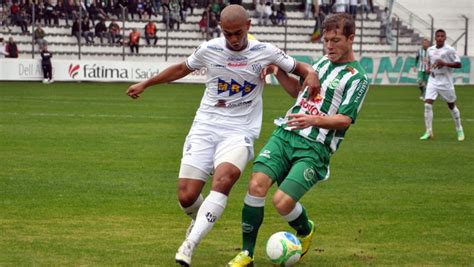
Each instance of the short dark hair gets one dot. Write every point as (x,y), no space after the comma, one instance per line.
(440,30)
(337,21)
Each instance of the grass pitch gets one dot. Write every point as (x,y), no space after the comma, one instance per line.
(88,177)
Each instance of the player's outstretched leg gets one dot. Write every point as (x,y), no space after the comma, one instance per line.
(304,227)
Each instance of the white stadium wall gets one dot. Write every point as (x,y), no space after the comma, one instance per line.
(381,70)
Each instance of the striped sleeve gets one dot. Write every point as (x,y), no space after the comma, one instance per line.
(354,97)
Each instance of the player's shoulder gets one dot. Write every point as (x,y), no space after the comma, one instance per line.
(449,48)
(357,71)
(257,46)
(216,44)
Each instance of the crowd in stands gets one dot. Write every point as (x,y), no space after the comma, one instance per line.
(89,17)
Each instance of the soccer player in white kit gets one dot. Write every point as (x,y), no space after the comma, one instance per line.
(442,62)
(220,141)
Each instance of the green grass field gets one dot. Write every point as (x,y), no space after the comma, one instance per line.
(88,177)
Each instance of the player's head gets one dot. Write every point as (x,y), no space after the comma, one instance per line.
(235,24)
(425,43)
(440,37)
(338,37)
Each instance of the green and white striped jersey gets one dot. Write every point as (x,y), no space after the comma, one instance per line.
(343,89)
(422,60)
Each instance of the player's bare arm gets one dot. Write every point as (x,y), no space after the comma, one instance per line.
(335,122)
(440,63)
(170,74)
(311,79)
(290,84)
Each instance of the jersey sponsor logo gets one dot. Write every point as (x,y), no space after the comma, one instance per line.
(281,53)
(258,47)
(237,58)
(237,64)
(257,67)
(215,48)
(222,103)
(234,87)
(310,108)
(265,154)
(218,66)
(361,91)
(211,217)
(309,174)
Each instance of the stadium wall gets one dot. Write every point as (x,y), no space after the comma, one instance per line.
(381,70)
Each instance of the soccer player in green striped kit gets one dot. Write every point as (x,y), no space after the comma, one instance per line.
(297,154)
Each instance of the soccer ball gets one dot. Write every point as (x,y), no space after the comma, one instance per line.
(283,249)
(45,80)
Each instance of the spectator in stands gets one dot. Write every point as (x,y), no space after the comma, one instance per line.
(3,49)
(119,6)
(114,32)
(46,65)
(14,12)
(58,12)
(214,30)
(86,31)
(140,9)
(150,9)
(166,14)
(69,11)
(4,17)
(189,5)
(76,30)
(203,24)
(39,35)
(281,14)
(48,13)
(175,17)
(22,21)
(260,12)
(93,12)
(150,32)
(216,8)
(383,26)
(268,13)
(365,8)
(39,11)
(101,31)
(353,8)
(134,40)
(11,49)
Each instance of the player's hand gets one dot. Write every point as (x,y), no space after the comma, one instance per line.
(300,121)
(313,84)
(270,69)
(135,90)
(439,63)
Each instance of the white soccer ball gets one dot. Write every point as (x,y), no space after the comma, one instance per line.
(284,249)
(45,80)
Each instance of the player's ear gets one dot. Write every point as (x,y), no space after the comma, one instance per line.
(351,38)
(248,24)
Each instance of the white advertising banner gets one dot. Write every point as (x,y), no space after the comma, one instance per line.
(380,70)
(82,70)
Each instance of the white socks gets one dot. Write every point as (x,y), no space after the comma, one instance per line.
(456,114)
(192,210)
(295,213)
(210,210)
(429,117)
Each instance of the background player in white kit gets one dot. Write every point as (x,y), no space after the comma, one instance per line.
(228,120)
(442,62)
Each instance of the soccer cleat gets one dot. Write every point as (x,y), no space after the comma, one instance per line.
(241,260)
(460,135)
(306,240)
(427,136)
(190,228)
(184,254)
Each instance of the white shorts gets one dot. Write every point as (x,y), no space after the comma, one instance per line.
(206,147)
(442,86)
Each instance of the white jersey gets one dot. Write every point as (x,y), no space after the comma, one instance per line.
(233,95)
(442,77)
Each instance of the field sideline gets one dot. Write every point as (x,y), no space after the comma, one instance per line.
(88,177)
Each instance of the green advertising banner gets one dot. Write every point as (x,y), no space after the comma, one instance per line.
(397,70)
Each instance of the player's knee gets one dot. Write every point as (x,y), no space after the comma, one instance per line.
(258,188)
(283,203)
(186,198)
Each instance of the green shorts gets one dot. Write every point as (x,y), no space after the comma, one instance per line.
(294,162)
(422,77)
